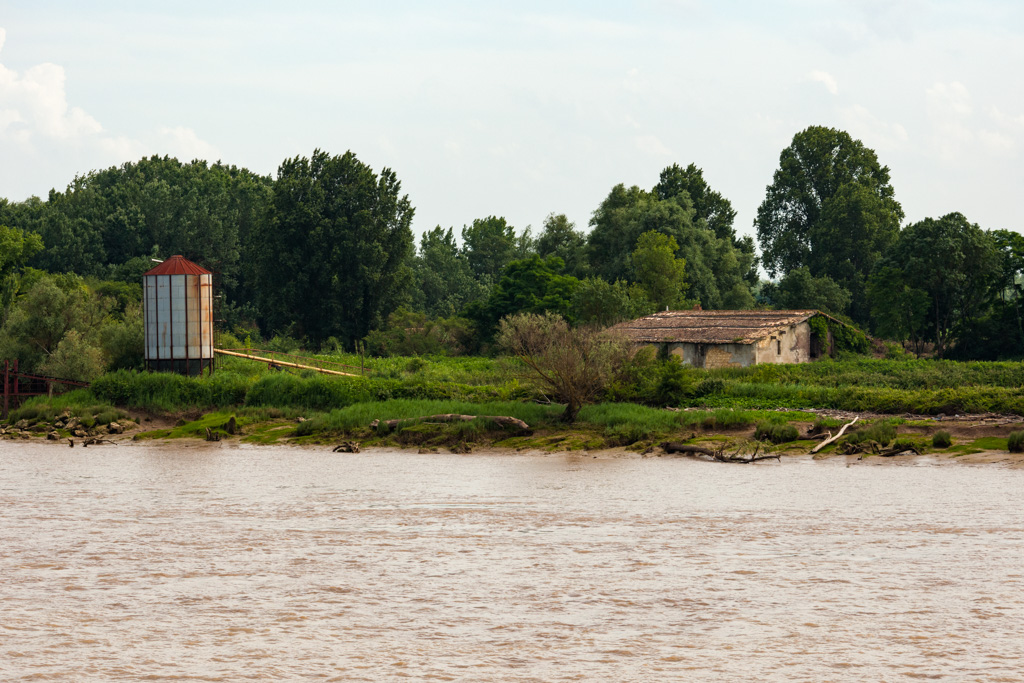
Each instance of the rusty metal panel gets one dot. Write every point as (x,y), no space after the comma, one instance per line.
(193,341)
(163,316)
(179,321)
(206,314)
(150,317)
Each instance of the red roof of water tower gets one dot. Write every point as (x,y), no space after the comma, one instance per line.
(178,265)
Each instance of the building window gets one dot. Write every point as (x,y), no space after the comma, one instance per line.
(778,347)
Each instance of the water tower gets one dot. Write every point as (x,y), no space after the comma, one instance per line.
(177,301)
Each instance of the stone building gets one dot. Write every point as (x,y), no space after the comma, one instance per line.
(719,339)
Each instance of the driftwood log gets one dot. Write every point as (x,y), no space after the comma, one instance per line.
(830,439)
(346,447)
(96,441)
(718,455)
(453,417)
(899,450)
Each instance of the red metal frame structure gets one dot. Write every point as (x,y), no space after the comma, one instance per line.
(19,386)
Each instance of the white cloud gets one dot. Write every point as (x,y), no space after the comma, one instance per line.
(863,124)
(38,101)
(183,143)
(825,79)
(37,122)
(649,144)
(949,109)
(998,143)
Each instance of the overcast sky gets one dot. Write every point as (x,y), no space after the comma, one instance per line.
(527,108)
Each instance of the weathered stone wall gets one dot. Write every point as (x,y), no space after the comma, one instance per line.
(792,345)
(714,355)
(789,345)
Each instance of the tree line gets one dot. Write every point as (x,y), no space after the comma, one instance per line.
(323,253)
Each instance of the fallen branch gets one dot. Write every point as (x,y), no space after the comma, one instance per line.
(453,417)
(899,450)
(833,438)
(718,455)
(96,441)
(676,447)
(346,447)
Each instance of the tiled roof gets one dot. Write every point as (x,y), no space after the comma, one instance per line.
(177,265)
(711,327)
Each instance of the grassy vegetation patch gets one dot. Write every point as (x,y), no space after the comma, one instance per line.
(1015,442)
(776,432)
(942,439)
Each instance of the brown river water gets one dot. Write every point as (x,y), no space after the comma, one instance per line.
(230,563)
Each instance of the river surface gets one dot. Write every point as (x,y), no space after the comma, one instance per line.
(227,563)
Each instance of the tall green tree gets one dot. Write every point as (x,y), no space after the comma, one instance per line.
(489,244)
(16,248)
(898,308)
(602,303)
(661,275)
(708,205)
(108,223)
(444,280)
(831,208)
(801,290)
(716,269)
(333,259)
(530,285)
(561,238)
(952,261)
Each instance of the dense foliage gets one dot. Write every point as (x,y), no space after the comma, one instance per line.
(322,256)
(332,261)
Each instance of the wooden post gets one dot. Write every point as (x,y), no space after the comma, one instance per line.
(7,385)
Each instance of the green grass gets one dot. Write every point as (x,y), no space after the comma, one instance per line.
(884,432)
(1015,442)
(776,432)
(360,415)
(987,443)
(80,402)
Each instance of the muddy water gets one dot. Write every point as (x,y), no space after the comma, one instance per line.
(231,563)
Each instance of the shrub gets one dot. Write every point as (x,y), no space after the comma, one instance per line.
(709,386)
(776,432)
(941,440)
(575,364)
(1015,442)
(673,383)
(883,432)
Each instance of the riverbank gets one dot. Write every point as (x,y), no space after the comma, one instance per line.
(610,431)
(940,408)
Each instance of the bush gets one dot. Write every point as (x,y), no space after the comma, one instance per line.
(1015,442)
(941,440)
(709,386)
(123,343)
(673,383)
(282,343)
(776,432)
(74,358)
(883,432)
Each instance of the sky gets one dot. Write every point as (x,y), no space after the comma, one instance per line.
(528,108)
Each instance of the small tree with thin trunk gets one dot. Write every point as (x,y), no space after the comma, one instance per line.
(575,364)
